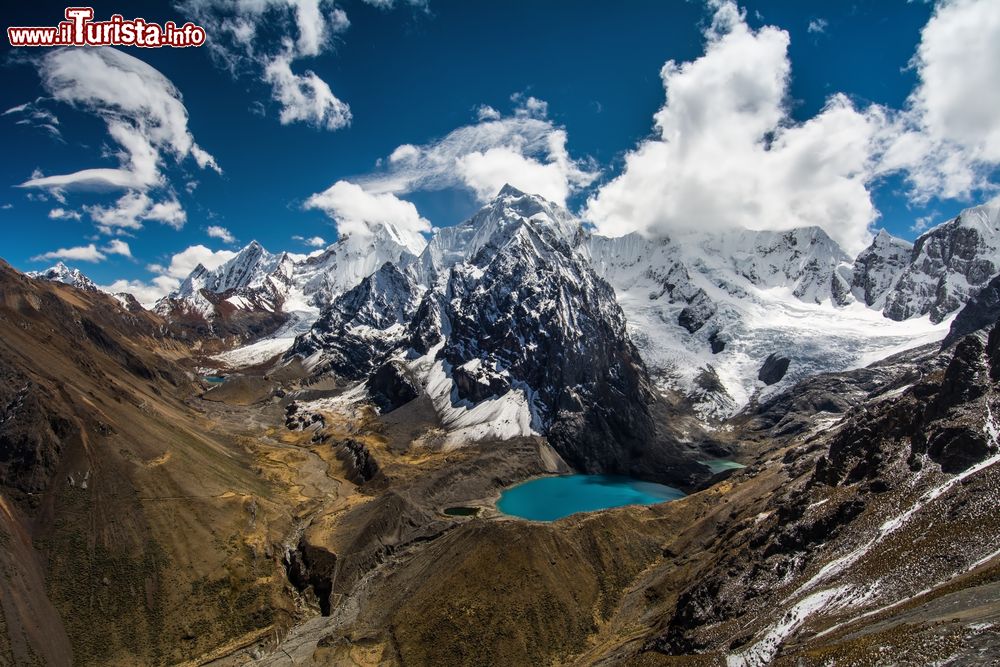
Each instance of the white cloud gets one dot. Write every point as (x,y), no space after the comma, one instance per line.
(117,247)
(142,109)
(305,97)
(60,213)
(266,37)
(817,26)
(88,253)
(526,150)
(389,4)
(529,106)
(727,155)
(217,232)
(146,293)
(312,242)
(948,139)
(925,222)
(486,112)
(356,212)
(35,115)
(132,208)
(184,262)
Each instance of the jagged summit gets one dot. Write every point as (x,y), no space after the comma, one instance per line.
(63,274)
(509,208)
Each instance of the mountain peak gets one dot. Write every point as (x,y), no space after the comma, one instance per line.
(61,273)
(509,190)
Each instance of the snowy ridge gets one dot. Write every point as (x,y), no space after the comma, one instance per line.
(61,273)
(707,311)
(704,310)
(948,265)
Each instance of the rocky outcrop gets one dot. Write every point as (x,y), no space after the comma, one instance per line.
(773,368)
(390,387)
(981,311)
(878,267)
(358,460)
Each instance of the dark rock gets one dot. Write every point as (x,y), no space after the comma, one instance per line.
(479,385)
(358,460)
(716,342)
(982,311)
(389,387)
(773,369)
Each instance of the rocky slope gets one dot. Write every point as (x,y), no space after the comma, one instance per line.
(129,526)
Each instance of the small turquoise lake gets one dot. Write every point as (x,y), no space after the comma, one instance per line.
(551,498)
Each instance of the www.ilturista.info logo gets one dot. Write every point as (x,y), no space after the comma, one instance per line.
(80,30)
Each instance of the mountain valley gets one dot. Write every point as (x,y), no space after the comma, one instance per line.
(297,510)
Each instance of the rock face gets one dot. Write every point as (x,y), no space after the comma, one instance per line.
(868,464)
(878,267)
(773,369)
(362,326)
(390,387)
(949,264)
(510,331)
(981,311)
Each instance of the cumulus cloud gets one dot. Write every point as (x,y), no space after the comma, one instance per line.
(87,253)
(145,293)
(312,241)
(525,149)
(60,213)
(265,38)
(184,262)
(217,232)
(356,213)
(948,139)
(132,208)
(727,155)
(117,247)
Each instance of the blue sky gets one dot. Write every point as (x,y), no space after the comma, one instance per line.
(587,73)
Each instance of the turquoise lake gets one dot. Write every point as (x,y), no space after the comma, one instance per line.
(551,498)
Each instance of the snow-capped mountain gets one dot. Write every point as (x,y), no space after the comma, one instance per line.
(357,331)
(878,267)
(61,273)
(948,265)
(511,333)
(283,293)
(461,242)
(725,318)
